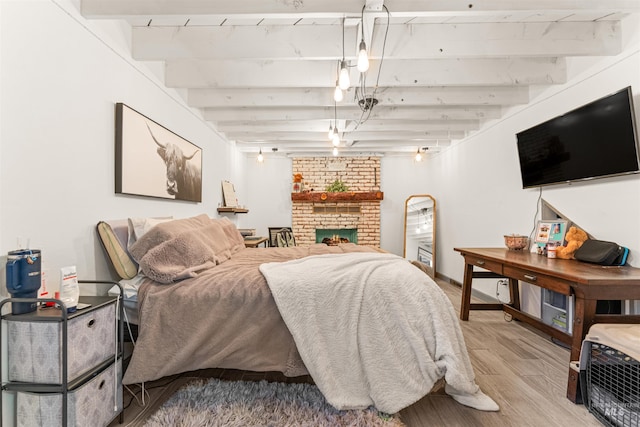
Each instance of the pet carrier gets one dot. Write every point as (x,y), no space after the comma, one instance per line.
(610,373)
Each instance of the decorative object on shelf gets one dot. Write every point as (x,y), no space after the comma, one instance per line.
(323,196)
(549,232)
(516,242)
(298,184)
(229,195)
(337,186)
(574,238)
(153,161)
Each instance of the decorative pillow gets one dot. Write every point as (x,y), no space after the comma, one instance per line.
(181,248)
(235,239)
(174,250)
(122,262)
(138,227)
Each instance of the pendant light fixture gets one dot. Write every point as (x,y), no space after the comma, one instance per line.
(260,156)
(330,135)
(338,96)
(343,80)
(335,151)
(418,156)
(335,137)
(363,58)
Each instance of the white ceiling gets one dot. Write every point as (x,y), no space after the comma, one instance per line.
(263,72)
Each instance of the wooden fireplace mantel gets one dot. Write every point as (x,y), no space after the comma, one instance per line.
(346,196)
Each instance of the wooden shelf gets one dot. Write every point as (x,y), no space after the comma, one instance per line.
(346,196)
(232,210)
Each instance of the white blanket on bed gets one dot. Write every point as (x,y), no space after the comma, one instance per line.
(372,329)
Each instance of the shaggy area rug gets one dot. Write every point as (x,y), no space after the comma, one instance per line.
(246,403)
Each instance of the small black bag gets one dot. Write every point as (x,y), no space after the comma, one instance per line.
(602,253)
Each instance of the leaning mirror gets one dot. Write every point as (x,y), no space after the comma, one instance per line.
(420,231)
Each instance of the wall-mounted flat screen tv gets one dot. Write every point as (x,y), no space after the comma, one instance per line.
(596,140)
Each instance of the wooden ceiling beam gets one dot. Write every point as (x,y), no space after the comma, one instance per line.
(408,41)
(125,8)
(397,73)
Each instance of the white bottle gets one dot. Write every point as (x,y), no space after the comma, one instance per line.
(69,290)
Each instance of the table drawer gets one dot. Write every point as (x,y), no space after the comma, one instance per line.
(537,279)
(494,266)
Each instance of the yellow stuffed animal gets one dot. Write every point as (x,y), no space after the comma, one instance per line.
(574,237)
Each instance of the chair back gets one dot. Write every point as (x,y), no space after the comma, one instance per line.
(281,237)
(285,238)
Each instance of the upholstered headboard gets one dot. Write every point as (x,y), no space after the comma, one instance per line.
(114,236)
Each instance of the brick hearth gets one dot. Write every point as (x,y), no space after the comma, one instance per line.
(359,174)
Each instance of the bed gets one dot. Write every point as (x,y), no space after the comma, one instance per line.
(369,327)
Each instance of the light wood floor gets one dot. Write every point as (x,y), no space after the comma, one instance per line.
(520,368)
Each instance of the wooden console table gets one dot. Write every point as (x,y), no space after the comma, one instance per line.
(588,283)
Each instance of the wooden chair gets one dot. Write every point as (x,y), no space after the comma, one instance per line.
(281,236)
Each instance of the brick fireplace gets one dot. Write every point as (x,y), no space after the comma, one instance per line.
(358,208)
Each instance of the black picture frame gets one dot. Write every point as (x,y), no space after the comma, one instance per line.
(152,161)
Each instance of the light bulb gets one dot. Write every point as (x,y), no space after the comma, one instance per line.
(330,135)
(336,139)
(343,80)
(418,157)
(363,58)
(260,156)
(418,229)
(335,151)
(338,96)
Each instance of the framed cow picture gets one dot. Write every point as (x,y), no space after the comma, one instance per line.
(152,161)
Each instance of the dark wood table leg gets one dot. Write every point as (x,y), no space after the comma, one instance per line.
(585,311)
(466,292)
(514,290)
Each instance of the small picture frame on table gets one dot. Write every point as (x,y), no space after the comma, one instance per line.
(549,233)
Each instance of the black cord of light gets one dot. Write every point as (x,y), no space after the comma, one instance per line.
(362,95)
(335,117)
(343,23)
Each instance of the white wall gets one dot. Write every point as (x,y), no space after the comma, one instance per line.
(268,192)
(61,77)
(478,185)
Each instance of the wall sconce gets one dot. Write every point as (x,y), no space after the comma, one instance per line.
(260,156)
(419,153)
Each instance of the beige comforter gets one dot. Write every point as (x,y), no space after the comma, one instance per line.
(224,317)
